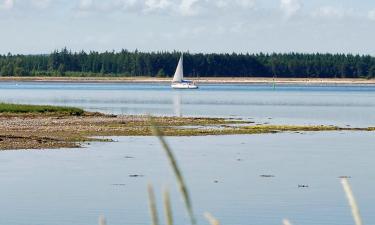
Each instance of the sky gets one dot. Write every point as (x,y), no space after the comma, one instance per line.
(220,26)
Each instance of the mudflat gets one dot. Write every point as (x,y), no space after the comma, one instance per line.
(63,130)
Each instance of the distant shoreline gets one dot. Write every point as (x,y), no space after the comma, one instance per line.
(201,80)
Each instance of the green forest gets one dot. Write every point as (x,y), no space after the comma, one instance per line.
(162,64)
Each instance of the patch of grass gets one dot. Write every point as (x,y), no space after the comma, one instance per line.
(21,108)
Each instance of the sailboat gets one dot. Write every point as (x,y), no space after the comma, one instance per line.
(178,81)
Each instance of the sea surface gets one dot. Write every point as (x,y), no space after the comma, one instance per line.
(287,104)
(223,173)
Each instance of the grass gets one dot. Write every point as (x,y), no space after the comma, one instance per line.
(21,108)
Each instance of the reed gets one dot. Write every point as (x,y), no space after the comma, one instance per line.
(180,180)
(211,219)
(352,202)
(102,220)
(167,208)
(152,204)
(286,222)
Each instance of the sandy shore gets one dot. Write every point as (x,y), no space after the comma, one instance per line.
(201,80)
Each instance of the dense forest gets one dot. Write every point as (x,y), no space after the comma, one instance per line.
(161,64)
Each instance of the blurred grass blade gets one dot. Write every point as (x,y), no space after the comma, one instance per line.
(167,208)
(152,204)
(212,220)
(102,220)
(352,202)
(286,222)
(176,170)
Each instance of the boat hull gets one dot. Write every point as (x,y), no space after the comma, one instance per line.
(184,85)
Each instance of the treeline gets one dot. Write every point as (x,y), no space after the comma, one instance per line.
(126,63)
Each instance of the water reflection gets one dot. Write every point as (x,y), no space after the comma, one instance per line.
(177,105)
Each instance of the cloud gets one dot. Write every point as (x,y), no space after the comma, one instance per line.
(41,4)
(371,14)
(6,4)
(85,4)
(157,4)
(290,7)
(225,4)
(189,7)
(246,3)
(332,12)
(175,7)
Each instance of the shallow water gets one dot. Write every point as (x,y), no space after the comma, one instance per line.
(75,186)
(287,104)
(57,187)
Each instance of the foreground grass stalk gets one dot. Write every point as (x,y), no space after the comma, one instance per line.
(286,222)
(176,170)
(211,219)
(167,208)
(152,203)
(352,202)
(102,220)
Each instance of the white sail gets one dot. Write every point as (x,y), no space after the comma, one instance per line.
(179,74)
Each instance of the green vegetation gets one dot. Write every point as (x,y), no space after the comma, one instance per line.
(20,108)
(161,64)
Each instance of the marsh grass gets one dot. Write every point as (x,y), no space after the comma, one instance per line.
(21,108)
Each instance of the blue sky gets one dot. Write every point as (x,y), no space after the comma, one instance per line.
(335,26)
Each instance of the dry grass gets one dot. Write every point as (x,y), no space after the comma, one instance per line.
(352,202)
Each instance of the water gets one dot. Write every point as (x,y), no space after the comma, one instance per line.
(57,187)
(293,104)
(75,186)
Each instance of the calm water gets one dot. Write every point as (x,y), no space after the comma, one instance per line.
(58,187)
(75,186)
(338,105)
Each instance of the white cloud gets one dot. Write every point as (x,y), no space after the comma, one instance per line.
(230,3)
(371,14)
(85,4)
(176,7)
(189,7)
(332,12)
(41,4)
(157,4)
(290,7)
(246,3)
(6,4)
